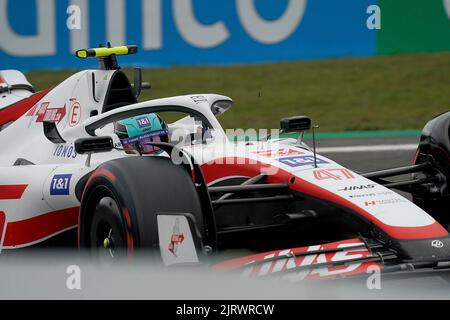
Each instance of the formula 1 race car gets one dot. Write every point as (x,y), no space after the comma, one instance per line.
(72,173)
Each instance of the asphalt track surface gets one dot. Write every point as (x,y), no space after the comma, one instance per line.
(369,154)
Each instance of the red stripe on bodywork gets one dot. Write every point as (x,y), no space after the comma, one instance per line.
(37,228)
(286,262)
(18,109)
(430,231)
(12,192)
(2,224)
(218,168)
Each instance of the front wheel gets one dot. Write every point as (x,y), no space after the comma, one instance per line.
(121,202)
(107,232)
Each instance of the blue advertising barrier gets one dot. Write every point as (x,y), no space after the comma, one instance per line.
(43,34)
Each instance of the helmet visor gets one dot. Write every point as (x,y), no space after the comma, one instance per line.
(141,142)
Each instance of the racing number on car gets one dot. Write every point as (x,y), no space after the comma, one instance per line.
(60,184)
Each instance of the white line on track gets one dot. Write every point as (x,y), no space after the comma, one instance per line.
(374,148)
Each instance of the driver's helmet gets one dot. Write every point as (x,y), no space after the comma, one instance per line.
(136,132)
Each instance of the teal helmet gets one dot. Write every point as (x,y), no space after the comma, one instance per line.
(136,132)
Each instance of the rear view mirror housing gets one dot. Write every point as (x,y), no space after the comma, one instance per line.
(94,145)
(295,124)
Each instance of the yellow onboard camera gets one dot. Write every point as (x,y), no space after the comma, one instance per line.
(107,55)
(106,52)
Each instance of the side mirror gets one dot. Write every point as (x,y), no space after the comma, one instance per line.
(295,124)
(220,107)
(94,145)
(137,82)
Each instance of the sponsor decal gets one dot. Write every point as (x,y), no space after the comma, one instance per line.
(65,151)
(383,202)
(60,184)
(334,174)
(372,194)
(45,113)
(385,192)
(176,239)
(284,260)
(299,161)
(176,243)
(75,114)
(437,244)
(358,187)
(279,153)
(143,122)
(145,136)
(362,195)
(199,99)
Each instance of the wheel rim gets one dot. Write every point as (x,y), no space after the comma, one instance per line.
(107,233)
(109,244)
(105,242)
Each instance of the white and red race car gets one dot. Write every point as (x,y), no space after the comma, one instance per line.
(269,207)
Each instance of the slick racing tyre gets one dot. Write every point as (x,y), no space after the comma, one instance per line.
(121,200)
(434,148)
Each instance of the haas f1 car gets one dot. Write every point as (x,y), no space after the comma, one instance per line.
(85,163)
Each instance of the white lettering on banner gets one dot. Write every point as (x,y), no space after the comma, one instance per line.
(74,20)
(270,32)
(447,7)
(115,22)
(195,33)
(374,20)
(79,37)
(152,25)
(41,44)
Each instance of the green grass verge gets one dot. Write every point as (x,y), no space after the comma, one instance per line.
(353,94)
(339,135)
